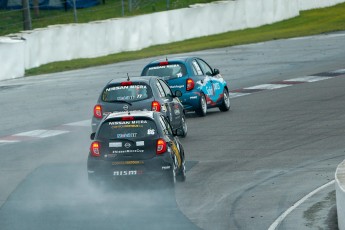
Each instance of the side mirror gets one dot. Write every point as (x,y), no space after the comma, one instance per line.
(215,72)
(178,132)
(92,136)
(178,93)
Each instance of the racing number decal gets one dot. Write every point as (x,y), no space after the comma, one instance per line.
(177,153)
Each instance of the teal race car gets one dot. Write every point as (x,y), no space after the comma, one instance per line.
(202,87)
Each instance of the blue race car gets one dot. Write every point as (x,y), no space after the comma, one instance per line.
(202,87)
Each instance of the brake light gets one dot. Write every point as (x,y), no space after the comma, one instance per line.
(97,111)
(125,83)
(95,149)
(161,146)
(156,106)
(127,118)
(190,84)
(164,63)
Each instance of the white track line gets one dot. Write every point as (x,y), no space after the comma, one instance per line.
(268,86)
(41,133)
(280,219)
(234,95)
(308,79)
(83,123)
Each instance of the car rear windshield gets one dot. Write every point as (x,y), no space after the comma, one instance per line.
(169,70)
(133,129)
(130,93)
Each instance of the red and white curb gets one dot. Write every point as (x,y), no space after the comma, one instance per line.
(66,128)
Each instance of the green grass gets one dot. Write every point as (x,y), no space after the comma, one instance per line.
(11,21)
(308,23)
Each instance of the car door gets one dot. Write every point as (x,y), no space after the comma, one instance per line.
(207,87)
(166,95)
(216,90)
(176,109)
(172,142)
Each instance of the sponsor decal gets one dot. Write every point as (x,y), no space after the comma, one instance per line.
(177,86)
(111,155)
(129,151)
(166,167)
(151,132)
(128,173)
(126,135)
(193,97)
(164,66)
(126,87)
(125,107)
(140,143)
(127,122)
(127,162)
(115,144)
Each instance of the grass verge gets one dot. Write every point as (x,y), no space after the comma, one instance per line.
(310,22)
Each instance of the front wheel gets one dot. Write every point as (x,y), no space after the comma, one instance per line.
(202,110)
(225,106)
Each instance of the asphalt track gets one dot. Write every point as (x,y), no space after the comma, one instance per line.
(246,167)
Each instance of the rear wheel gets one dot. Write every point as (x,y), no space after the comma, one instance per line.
(182,173)
(225,106)
(202,110)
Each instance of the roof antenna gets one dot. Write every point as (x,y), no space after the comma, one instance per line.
(128,77)
(166,58)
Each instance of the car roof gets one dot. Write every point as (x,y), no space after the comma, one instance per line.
(133,79)
(149,114)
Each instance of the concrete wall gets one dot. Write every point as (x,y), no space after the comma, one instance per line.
(340,194)
(71,41)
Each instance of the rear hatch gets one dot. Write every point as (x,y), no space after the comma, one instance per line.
(128,139)
(126,96)
(173,72)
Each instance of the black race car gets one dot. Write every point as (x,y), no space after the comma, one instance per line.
(140,93)
(136,144)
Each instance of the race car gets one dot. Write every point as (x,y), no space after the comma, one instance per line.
(202,87)
(136,144)
(140,93)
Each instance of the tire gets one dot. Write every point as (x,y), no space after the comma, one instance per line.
(184,127)
(181,177)
(225,106)
(202,110)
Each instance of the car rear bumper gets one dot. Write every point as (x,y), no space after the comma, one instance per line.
(154,167)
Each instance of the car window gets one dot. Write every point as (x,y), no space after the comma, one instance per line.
(170,70)
(133,129)
(197,68)
(134,92)
(205,67)
(166,126)
(166,88)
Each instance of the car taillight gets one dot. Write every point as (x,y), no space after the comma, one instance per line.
(190,84)
(125,83)
(95,149)
(161,146)
(156,106)
(164,63)
(129,118)
(97,111)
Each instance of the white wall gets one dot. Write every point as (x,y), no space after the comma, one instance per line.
(340,194)
(71,41)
